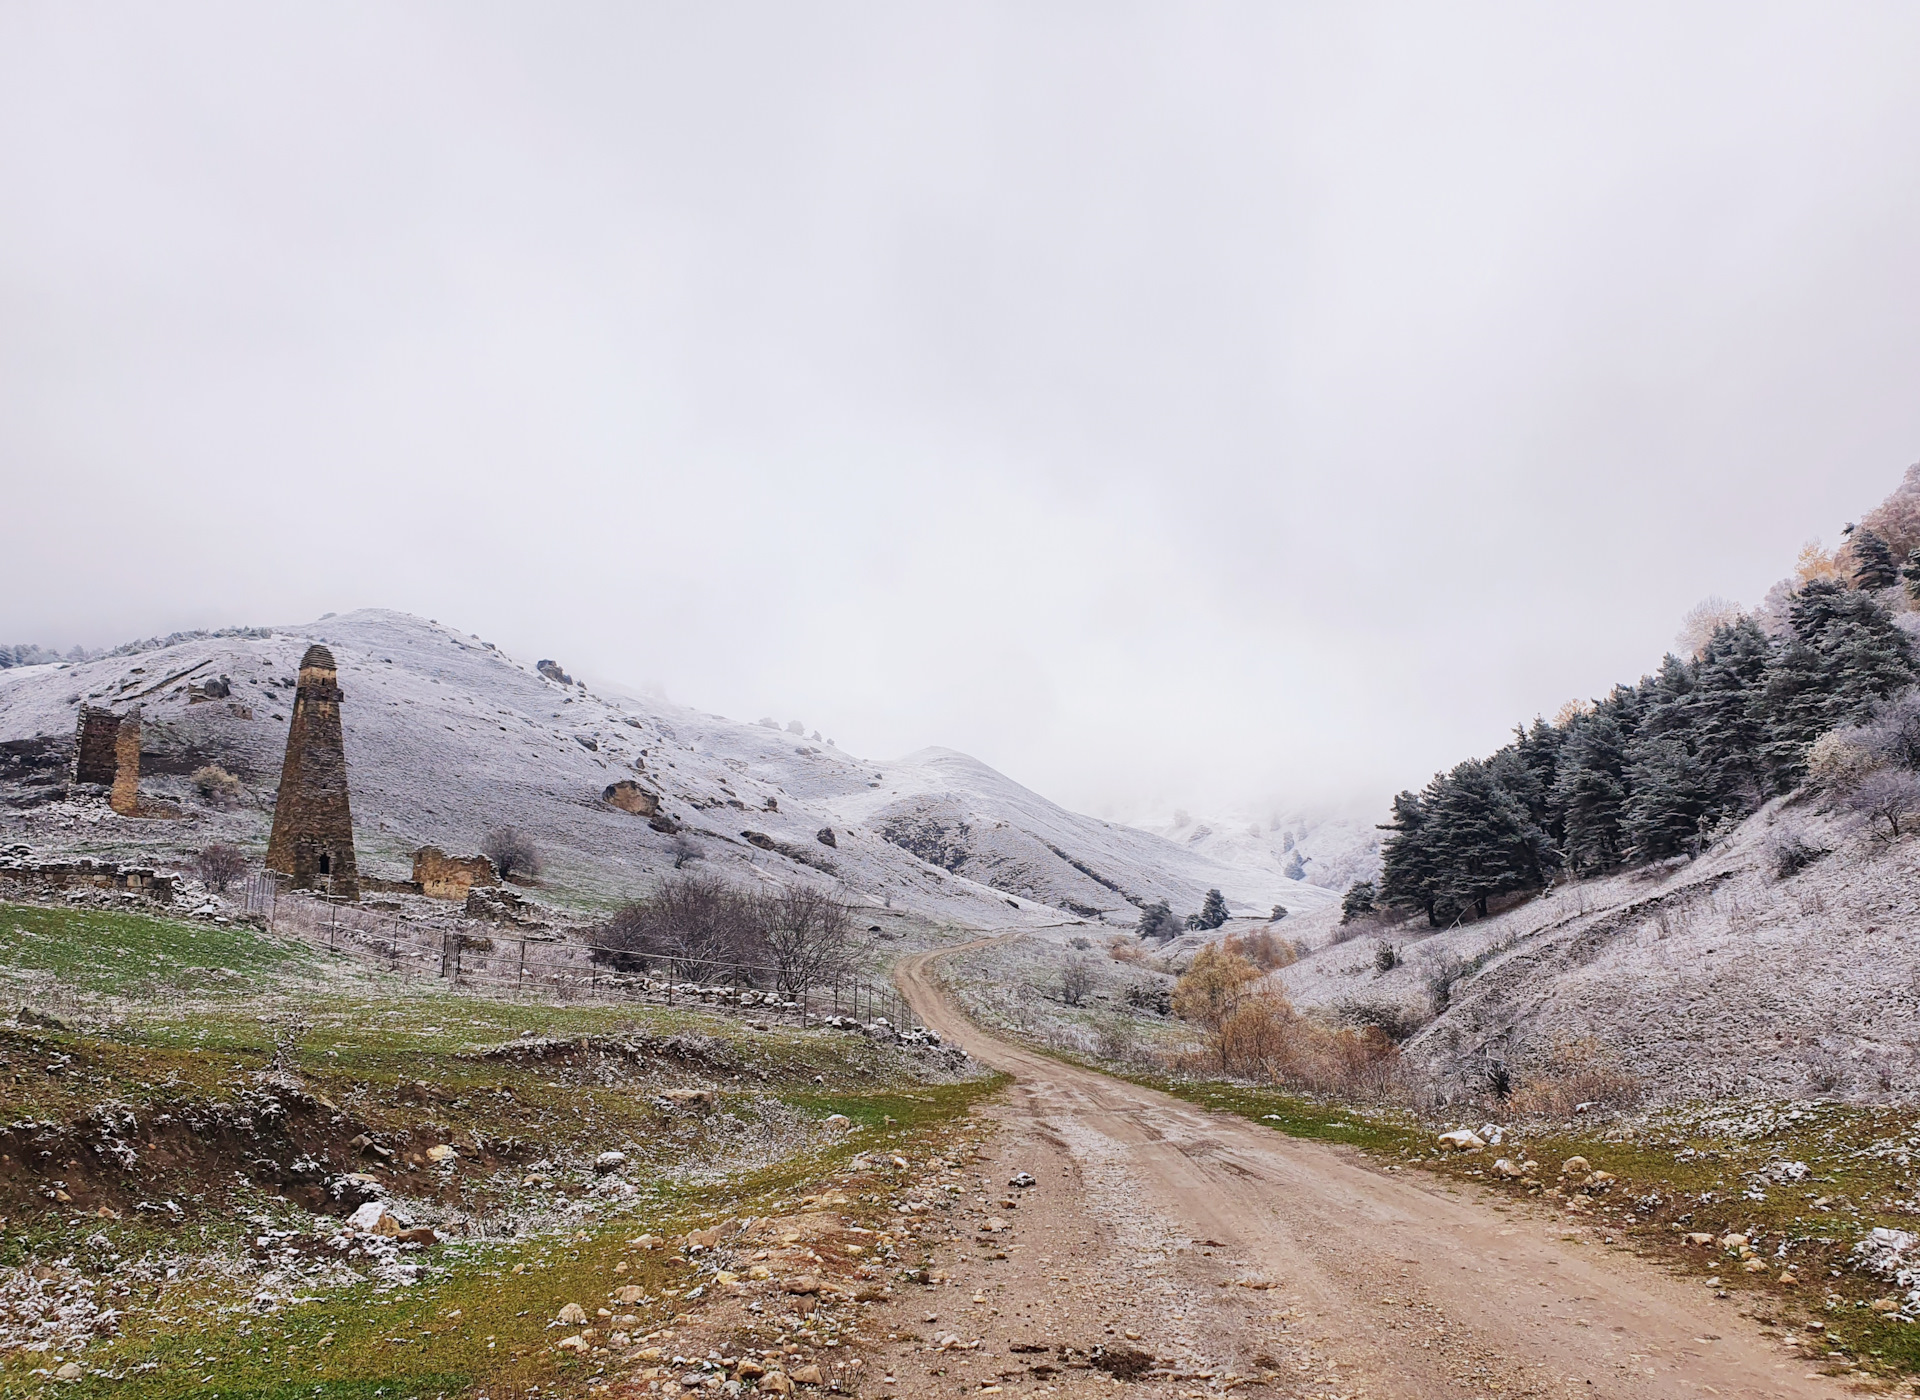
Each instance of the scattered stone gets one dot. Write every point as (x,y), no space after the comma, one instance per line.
(442,1152)
(839,1121)
(804,1284)
(1576,1166)
(609,1161)
(373,1218)
(572,1314)
(1022,1179)
(776,1383)
(576,1344)
(1462,1140)
(68,1372)
(808,1374)
(420,1235)
(1508,1168)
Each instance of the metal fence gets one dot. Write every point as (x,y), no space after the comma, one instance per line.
(506,962)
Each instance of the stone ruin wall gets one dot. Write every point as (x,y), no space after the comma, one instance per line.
(441,876)
(125,797)
(94,757)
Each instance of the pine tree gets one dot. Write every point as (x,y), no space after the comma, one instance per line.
(1590,787)
(1873,563)
(1409,864)
(1358,901)
(1157,921)
(1213,910)
(1911,573)
(1490,844)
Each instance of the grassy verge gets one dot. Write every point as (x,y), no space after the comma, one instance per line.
(176,1169)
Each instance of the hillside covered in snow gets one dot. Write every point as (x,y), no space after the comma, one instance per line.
(447,738)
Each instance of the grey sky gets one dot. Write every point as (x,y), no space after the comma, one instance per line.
(1177,402)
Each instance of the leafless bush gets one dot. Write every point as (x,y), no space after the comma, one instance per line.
(512,852)
(1396,1020)
(219,865)
(685,850)
(1264,1038)
(799,938)
(1884,799)
(216,786)
(696,917)
(1576,1075)
(1439,977)
(1076,980)
(807,934)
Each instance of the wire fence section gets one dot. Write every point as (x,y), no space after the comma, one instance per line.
(502,962)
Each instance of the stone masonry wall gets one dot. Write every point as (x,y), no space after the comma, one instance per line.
(93,752)
(125,797)
(441,876)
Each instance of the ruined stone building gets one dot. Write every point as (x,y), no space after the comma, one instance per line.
(441,876)
(312,838)
(125,797)
(106,753)
(93,752)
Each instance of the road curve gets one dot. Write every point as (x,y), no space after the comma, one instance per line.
(1390,1284)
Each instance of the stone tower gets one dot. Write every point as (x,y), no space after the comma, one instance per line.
(125,797)
(312,827)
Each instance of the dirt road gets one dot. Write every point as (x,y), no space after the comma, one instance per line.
(1227,1253)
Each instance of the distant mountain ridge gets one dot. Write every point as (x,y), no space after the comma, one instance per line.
(448,737)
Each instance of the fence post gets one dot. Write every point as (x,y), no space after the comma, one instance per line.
(459,946)
(520,977)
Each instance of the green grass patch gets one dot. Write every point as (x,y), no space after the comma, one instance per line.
(115,953)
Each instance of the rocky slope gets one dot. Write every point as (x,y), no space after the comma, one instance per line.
(1709,978)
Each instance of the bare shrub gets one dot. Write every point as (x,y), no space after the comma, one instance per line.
(1265,949)
(219,865)
(1396,1020)
(1884,799)
(1264,1038)
(1575,1076)
(806,934)
(1788,852)
(1212,986)
(1123,950)
(685,850)
(1076,980)
(699,918)
(1152,998)
(1439,977)
(513,853)
(216,786)
(1116,1039)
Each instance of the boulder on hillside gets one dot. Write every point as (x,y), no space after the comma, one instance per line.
(629,796)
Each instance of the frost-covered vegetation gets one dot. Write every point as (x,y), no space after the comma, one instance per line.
(1664,767)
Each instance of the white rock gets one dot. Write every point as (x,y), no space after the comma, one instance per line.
(1461,1140)
(373,1218)
(609,1161)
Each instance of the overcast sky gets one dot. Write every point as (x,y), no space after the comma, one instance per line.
(1166,403)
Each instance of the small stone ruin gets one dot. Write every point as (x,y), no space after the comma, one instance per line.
(441,876)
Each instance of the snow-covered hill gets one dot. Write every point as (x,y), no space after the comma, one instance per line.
(448,737)
(1321,850)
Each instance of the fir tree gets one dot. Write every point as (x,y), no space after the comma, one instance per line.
(1873,563)
(1357,902)
(1213,910)
(1911,573)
